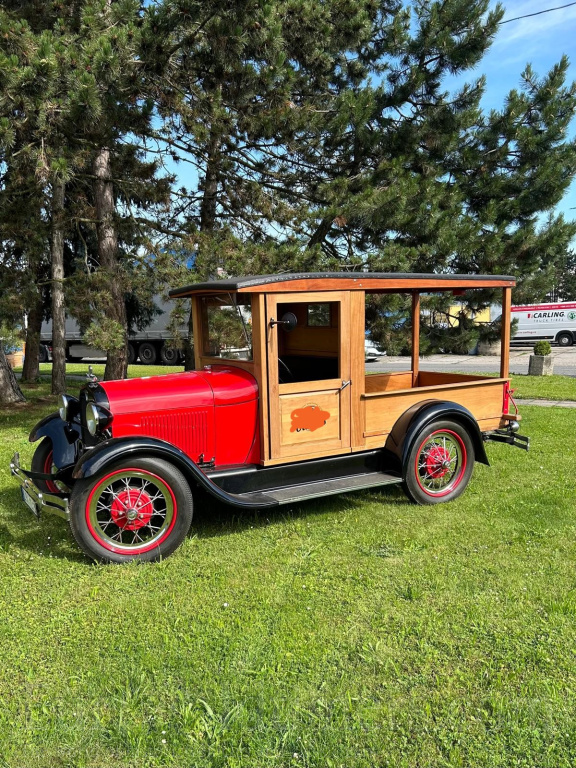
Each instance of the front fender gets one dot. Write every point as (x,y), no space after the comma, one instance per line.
(409,425)
(64,437)
(106,454)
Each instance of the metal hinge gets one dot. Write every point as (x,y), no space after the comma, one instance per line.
(206,464)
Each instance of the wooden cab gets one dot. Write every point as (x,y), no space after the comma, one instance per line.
(302,337)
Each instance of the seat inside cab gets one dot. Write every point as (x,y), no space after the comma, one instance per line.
(310,351)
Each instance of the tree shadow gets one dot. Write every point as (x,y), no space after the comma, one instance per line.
(51,536)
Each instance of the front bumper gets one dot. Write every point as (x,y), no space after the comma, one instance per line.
(36,500)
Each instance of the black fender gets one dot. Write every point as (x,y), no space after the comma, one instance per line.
(108,453)
(408,426)
(64,436)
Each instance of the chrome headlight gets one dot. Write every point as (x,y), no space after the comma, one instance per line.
(64,405)
(92,418)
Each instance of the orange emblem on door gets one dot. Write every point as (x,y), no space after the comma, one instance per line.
(309,418)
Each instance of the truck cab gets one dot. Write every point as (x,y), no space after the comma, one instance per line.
(279,409)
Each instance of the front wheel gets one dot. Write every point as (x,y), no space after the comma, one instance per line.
(43,462)
(440,463)
(565,339)
(136,510)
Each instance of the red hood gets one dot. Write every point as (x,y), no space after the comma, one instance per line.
(216,385)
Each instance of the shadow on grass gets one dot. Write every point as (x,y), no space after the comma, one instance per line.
(51,536)
(213,518)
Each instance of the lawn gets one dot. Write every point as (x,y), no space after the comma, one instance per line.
(544,387)
(528,387)
(357,631)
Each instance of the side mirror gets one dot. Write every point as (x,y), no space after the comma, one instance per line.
(288,322)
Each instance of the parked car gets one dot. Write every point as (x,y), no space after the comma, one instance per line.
(295,418)
(371,353)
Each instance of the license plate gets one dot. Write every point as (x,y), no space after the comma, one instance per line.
(29,501)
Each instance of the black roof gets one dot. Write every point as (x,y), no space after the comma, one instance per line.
(232,284)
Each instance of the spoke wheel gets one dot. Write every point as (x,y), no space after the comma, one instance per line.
(439,464)
(131,511)
(140,510)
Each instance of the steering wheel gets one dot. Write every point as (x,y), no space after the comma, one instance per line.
(281,379)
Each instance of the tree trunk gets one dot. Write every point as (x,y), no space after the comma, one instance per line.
(58,310)
(117,358)
(10,392)
(207,221)
(210,195)
(31,369)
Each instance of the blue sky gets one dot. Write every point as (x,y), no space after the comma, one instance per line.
(540,41)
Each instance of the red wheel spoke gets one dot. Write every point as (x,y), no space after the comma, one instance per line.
(122,507)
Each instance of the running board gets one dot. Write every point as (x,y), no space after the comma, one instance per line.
(315,490)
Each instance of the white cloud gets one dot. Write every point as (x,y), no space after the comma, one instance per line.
(535,27)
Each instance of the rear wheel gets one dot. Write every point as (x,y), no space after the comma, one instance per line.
(565,339)
(169,355)
(43,355)
(147,353)
(131,353)
(440,463)
(136,510)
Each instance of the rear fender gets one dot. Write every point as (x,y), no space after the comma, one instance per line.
(406,429)
(106,454)
(64,437)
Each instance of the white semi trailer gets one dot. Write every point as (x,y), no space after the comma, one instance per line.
(555,322)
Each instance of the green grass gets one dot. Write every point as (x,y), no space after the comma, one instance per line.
(356,631)
(544,387)
(528,387)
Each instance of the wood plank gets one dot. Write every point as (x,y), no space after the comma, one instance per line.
(482,399)
(415,351)
(311,386)
(435,378)
(505,338)
(377,439)
(387,382)
(374,285)
(261,369)
(246,365)
(440,387)
(357,367)
(198,332)
(310,417)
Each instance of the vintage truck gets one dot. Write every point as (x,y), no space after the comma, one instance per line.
(291,416)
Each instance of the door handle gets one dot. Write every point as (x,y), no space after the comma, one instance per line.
(345,384)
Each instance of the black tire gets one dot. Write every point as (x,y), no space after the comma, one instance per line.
(99,514)
(147,353)
(43,356)
(565,339)
(42,462)
(169,355)
(131,353)
(440,463)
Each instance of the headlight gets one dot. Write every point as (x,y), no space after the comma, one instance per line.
(97,417)
(69,407)
(63,410)
(92,418)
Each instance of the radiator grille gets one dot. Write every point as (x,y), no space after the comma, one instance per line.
(187,430)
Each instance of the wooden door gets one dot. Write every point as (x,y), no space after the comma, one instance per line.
(309,375)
